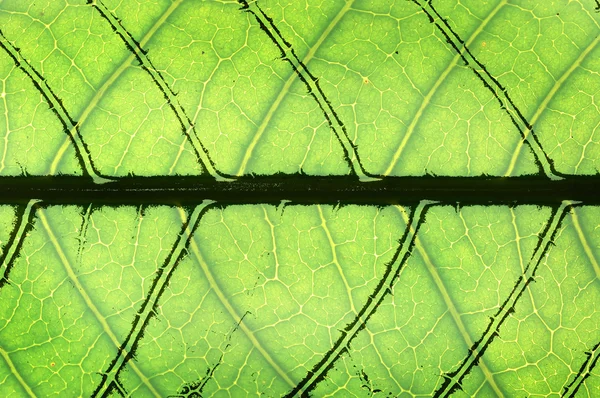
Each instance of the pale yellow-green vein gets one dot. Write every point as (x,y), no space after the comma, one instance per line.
(335,260)
(87,299)
(15,372)
(109,83)
(286,87)
(454,314)
(427,99)
(549,96)
(233,313)
(584,243)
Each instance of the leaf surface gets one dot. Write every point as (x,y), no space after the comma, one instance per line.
(280,299)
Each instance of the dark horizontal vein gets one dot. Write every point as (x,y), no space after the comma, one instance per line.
(495,87)
(148,309)
(593,356)
(70,126)
(15,242)
(312,85)
(385,286)
(452,381)
(303,190)
(142,56)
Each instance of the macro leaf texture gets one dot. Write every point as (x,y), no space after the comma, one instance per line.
(287,299)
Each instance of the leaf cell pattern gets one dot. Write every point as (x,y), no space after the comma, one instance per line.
(419,299)
(386,116)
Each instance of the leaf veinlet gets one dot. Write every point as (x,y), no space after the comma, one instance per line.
(148,308)
(313,87)
(73,278)
(452,381)
(142,56)
(491,83)
(385,286)
(548,188)
(70,126)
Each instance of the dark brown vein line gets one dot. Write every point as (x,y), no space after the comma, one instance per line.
(385,286)
(543,161)
(85,219)
(81,290)
(593,356)
(70,126)
(170,96)
(445,295)
(299,188)
(13,246)
(149,307)
(313,87)
(452,381)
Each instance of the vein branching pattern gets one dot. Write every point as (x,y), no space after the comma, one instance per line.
(56,105)
(500,92)
(416,250)
(452,380)
(171,98)
(312,85)
(149,307)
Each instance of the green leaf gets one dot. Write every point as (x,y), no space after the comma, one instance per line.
(170,87)
(214,299)
(264,292)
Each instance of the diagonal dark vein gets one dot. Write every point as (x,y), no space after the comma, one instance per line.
(142,56)
(491,83)
(326,33)
(446,296)
(385,286)
(593,356)
(109,82)
(312,85)
(70,126)
(452,381)
(82,291)
(148,308)
(15,242)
